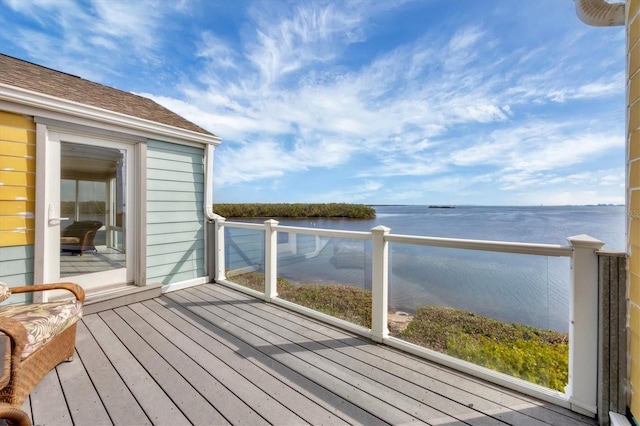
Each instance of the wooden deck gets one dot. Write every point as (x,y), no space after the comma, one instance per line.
(209,355)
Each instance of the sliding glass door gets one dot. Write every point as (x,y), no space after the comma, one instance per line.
(95,212)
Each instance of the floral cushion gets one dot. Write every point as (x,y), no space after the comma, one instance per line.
(5,291)
(43,321)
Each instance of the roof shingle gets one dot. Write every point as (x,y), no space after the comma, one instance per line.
(29,76)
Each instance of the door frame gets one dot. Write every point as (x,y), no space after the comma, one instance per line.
(47,239)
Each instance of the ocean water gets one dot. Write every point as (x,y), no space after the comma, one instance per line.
(532,290)
(546,225)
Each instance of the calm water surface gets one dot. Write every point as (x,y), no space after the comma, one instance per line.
(548,225)
(526,289)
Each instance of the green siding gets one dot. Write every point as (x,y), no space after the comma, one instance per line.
(178,247)
(160,229)
(175,176)
(175,196)
(175,215)
(173,186)
(16,269)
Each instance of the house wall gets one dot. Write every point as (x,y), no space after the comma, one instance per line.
(17,198)
(175,213)
(633,196)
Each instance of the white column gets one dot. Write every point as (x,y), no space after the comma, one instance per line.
(270,259)
(582,389)
(219,273)
(380,284)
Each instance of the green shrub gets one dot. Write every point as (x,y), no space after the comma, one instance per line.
(539,356)
(296,210)
(341,301)
(531,360)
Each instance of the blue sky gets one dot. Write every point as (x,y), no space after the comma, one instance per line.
(494,102)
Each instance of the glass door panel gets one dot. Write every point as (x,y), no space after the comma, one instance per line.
(93,205)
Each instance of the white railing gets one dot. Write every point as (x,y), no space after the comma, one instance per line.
(581,392)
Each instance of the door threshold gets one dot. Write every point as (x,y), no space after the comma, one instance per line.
(116,297)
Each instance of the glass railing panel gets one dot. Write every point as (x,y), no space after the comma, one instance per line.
(244,257)
(507,312)
(329,275)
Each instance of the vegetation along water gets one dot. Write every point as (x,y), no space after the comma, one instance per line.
(531,290)
(506,312)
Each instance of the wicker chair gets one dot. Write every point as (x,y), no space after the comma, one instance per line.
(14,416)
(78,237)
(41,334)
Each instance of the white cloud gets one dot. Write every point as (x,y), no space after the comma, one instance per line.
(539,146)
(89,39)
(462,105)
(289,40)
(405,123)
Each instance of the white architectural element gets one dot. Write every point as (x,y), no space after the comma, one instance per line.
(583,314)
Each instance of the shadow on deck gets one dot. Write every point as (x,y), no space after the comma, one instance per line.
(209,355)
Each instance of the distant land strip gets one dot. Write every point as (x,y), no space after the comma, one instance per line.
(295,210)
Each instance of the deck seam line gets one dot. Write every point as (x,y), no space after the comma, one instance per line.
(133,395)
(332,363)
(300,360)
(264,307)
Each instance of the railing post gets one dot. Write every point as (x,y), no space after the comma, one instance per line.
(380,284)
(219,272)
(270,260)
(582,389)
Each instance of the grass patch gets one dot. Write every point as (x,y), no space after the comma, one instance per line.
(346,302)
(532,354)
(536,355)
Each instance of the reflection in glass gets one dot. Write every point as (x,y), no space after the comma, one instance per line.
(92,194)
(507,312)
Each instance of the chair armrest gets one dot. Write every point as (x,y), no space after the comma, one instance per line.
(72,287)
(17,333)
(14,415)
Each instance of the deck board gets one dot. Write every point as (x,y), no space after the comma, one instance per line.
(217,357)
(293,382)
(295,358)
(47,401)
(85,404)
(195,363)
(150,350)
(152,398)
(114,393)
(490,400)
(210,355)
(376,397)
(425,402)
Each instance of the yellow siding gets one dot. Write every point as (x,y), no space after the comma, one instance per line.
(16,238)
(634,174)
(21,208)
(634,142)
(17,179)
(634,111)
(634,8)
(17,135)
(16,149)
(633,33)
(16,164)
(17,193)
(10,119)
(634,287)
(11,223)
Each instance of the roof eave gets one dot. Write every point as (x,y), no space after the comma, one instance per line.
(30,98)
